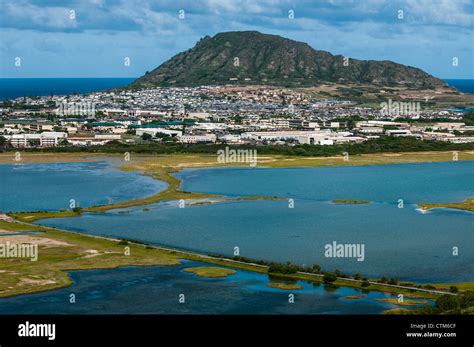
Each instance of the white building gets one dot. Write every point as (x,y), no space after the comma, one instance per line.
(371,130)
(45,139)
(197,138)
(230,138)
(315,140)
(282,135)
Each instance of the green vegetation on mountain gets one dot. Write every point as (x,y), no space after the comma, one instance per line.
(250,57)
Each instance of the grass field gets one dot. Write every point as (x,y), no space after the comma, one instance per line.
(62,251)
(17,227)
(30,217)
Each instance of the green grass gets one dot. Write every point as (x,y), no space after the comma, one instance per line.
(22,276)
(30,217)
(8,226)
(462,286)
(210,271)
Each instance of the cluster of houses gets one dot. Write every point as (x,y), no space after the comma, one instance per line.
(226,114)
(154,126)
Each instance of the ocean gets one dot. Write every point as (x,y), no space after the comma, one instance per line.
(11,88)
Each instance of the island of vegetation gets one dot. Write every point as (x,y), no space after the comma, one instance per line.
(354,297)
(349,201)
(210,271)
(466,205)
(405,302)
(284,286)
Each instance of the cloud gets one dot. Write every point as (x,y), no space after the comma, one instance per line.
(427,36)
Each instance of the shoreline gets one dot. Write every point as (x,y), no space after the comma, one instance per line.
(466,205)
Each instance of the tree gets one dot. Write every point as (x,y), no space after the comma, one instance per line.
(162,136)
(365,283)
(63,142)
(453,289)
(447,302)
(316,268)
(357,276)
(146,137)
(467,299)
(329,277)
(393,281)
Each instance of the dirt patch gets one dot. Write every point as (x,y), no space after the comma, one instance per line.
(91,253)
(40,241)
(35,282)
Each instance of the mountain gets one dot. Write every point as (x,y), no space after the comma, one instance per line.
(250,57)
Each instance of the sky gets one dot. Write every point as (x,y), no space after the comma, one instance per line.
(125,38)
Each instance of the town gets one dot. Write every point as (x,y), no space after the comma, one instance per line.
(236,115)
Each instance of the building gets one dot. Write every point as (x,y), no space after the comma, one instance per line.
(315,139)
(371,130)
(448,126)
(154,131)
(208,138)
(231,138)
(398,132)
(45,139)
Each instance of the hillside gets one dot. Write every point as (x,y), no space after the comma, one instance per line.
(250,57)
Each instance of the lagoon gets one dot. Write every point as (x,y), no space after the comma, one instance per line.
(51,186)
(398,242)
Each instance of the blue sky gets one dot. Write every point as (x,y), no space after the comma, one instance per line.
(91,38)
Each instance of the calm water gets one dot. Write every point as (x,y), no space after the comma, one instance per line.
(154,290)
(399,242)
(51,186)
(11,88)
